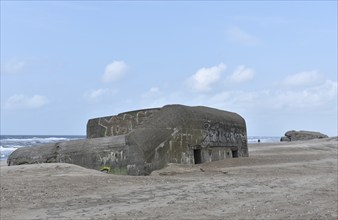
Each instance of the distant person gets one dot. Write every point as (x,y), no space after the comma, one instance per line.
(259,141)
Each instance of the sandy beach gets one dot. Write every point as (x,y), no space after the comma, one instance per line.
(292,180)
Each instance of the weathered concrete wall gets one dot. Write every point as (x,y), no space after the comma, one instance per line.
(119,124)
(177,131)
(148,140)
(90,153)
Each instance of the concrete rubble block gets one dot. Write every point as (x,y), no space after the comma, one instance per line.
(302,135)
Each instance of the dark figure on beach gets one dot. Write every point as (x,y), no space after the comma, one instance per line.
(259,140)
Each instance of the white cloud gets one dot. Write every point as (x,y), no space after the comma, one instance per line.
(320,99)
(13,66)
(324,94)
(306,78)
(202,80)
(242,74)
(26,102)
(98,93)
(114,71)
(154,93)
(240,36)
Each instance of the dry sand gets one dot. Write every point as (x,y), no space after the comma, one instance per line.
(295,180)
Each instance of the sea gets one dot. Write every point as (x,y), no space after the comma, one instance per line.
(9,143)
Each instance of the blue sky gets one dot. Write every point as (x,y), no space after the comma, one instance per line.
(274,63)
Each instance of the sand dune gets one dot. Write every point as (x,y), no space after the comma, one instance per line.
(296,180)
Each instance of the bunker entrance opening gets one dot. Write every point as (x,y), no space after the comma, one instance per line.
(197,156)
(234,153)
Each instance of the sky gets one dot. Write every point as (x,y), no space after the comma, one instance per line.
(272,62)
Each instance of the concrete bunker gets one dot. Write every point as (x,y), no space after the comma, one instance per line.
(138,142)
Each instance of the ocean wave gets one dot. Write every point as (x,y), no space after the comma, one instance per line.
(2,149)
(6,151)
(35,139)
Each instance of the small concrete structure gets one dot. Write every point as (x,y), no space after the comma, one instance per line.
(302,135)
(138,142)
